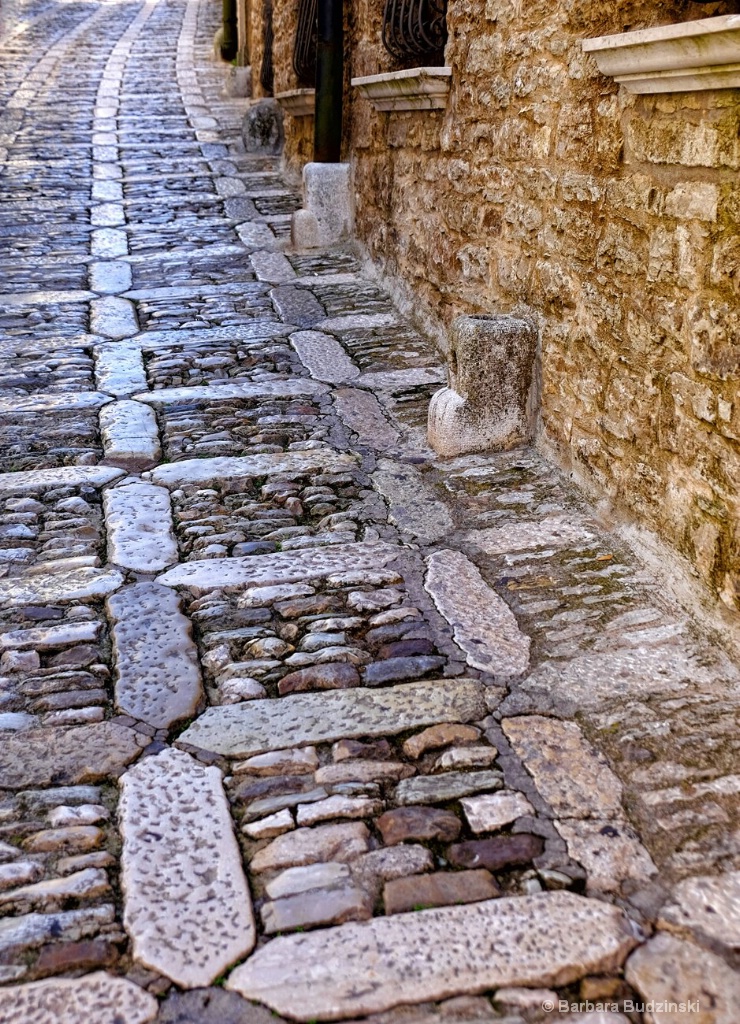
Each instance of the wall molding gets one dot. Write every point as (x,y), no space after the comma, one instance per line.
(413,89)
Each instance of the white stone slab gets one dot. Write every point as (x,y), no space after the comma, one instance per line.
(324,357)
(156,663)
(552,531)
(113,317)
(130,435)
(225,468)
(706,907)
(38,480)
(63,587)
(110,277)
(492,811)
(410,89)
(220,392)
(256,235)
(119,369)
(357,969)
(282,567)
(152,341)
(138,520)
(98,998)
(238,730)
(359,321)
(45,638)
(273,267)
(53,403)
(187,906)
(483,625)
(109,243)
(414,506)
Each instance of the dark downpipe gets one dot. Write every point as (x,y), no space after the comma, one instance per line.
(329,82)
(230,36)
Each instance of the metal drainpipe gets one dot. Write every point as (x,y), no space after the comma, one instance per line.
(230,38)
(329,82)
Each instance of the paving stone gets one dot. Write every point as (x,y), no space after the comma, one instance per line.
(297,306)
(138,520)
(496,853)
(609,850)
(108,243)
(363,771)
(96,999)
(113,317)
(157,673)
(334,676)
(280,762)
(706,907)
(667,970)
(75,838)
(272,266)
(119,369)
(575,780)
(440,736)
(313,845)
(394,381)
(263,389)
(368,967)
(130,435)
(212,1006)
(337,807)
(302,719)
(556,531)
(358,321)
(436,788)
(86,884)
(44,638)
(29,931)
(414,507)
(482,623)
(63,402)
(323,356)
(440,889)
(303,879)
(21,872)
(405,823)
(492,811)
(187,907)
(393,669)
(224,469)
(392,862)
(320,907)
(110,277)
(465,757)
(364,416)
(84,753)
(40,480)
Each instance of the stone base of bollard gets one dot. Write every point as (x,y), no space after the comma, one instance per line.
(492,400)
(327,215)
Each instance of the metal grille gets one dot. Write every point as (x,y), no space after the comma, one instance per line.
(304,54)
(266,71)
(415,31)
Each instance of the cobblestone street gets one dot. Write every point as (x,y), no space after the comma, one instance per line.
(299,721)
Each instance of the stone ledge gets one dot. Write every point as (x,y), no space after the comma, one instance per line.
(297,102)
(703,54)
(414,89)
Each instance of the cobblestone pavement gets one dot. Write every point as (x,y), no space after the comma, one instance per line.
(296,719)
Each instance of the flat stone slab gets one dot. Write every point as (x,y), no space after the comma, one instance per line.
(668,970)
(363,415)
(260,725)
(575,780)
(324,357)
(281,567)
(413,505)
(113,317)
(110,277)
(360,321)
(609,850)
(156,662)
(38,480)
(98,998)
(297,306)
(551,532)
(425,789)
(108,243)
(138,520)
(66,757)
(393,381)
(483,625)
(151,341)
(130,435)
(220,392)
(207,471)
(61,587)
(65,401)
(708,907)
(357,969)
(119,369)
(491,812)
(187,905)
(272,266)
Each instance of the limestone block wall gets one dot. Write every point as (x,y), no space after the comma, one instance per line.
(610,220)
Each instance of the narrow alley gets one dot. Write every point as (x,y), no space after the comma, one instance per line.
(300,722)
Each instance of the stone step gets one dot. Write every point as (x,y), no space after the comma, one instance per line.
(225,468)
(262,389)
(39,480)
(549,939)
(130,435)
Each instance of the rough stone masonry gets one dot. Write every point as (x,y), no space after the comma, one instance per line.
(299,721)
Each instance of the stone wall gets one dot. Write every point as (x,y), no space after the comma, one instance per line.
(609,219)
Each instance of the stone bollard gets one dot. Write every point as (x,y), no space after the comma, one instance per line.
(262,128)
(326,216)
(492,399)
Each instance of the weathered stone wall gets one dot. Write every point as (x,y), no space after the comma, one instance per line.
(611,220)
(257,45)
